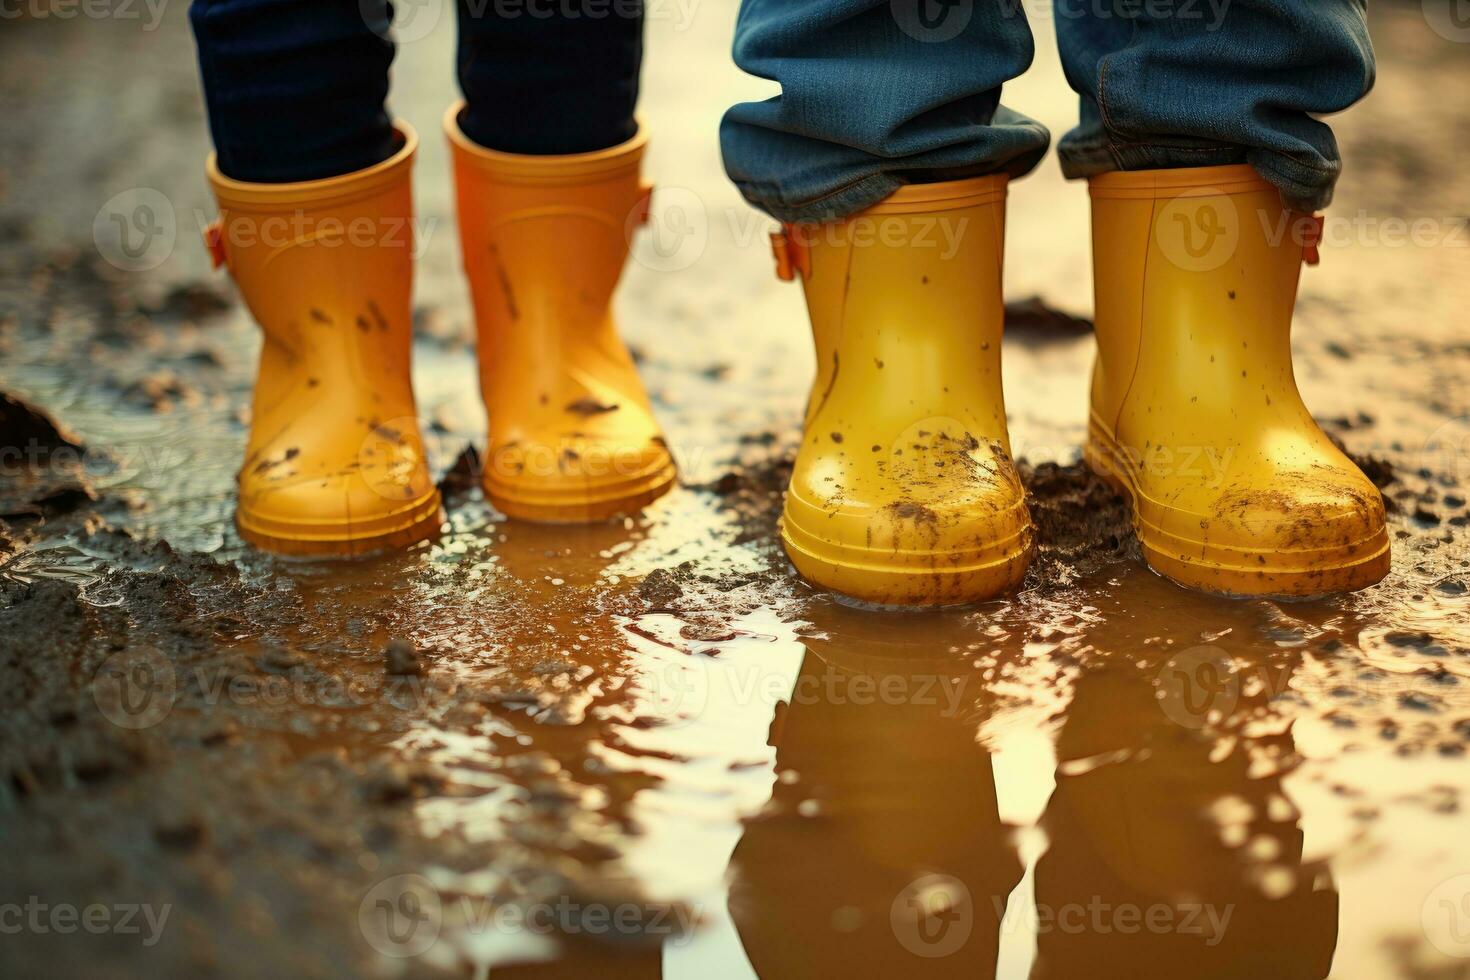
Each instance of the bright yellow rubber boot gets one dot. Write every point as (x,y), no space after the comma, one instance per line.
(544,239)
(335,464)
(904,492)
(1195,410)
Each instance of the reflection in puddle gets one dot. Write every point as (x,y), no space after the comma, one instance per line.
(969,793)
(1103,775)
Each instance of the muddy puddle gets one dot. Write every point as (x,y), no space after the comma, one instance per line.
(646,749)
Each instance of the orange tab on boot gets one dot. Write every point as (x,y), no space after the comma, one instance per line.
(214,242)
(792,257)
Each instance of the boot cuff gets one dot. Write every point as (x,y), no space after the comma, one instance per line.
(519,168)
(239,195)
(949,195)
(1237,178)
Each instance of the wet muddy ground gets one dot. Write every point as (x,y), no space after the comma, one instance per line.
(646,748)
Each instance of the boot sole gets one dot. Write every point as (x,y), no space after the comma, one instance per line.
(574,506)
(1224,570)
(918,579)
(419,521)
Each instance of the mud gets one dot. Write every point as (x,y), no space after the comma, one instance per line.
(44,470)
(654,721)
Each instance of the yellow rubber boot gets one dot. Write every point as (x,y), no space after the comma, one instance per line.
(904,492)
(544,239)
(335,464)
(1195,410)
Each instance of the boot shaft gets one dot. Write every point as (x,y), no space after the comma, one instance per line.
(906,307)
(544,240)
(325,266)
(1195,268)
(335,463)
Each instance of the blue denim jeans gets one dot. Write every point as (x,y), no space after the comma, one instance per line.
(879,93)
(295,89)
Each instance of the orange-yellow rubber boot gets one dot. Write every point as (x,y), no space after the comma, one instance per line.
(1195,410)
(544,239)
(903,491)
(335,463)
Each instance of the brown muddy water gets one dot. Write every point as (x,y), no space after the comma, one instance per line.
(646,749)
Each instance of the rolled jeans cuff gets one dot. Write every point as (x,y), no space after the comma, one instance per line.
(1303,188)
(853,180)
(846,200)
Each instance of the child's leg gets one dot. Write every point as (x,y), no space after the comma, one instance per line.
(295,88)
(887,154)
(874,95)
(1199,140)
(547,164)
(1194,85)
(316,227)
(541,80)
